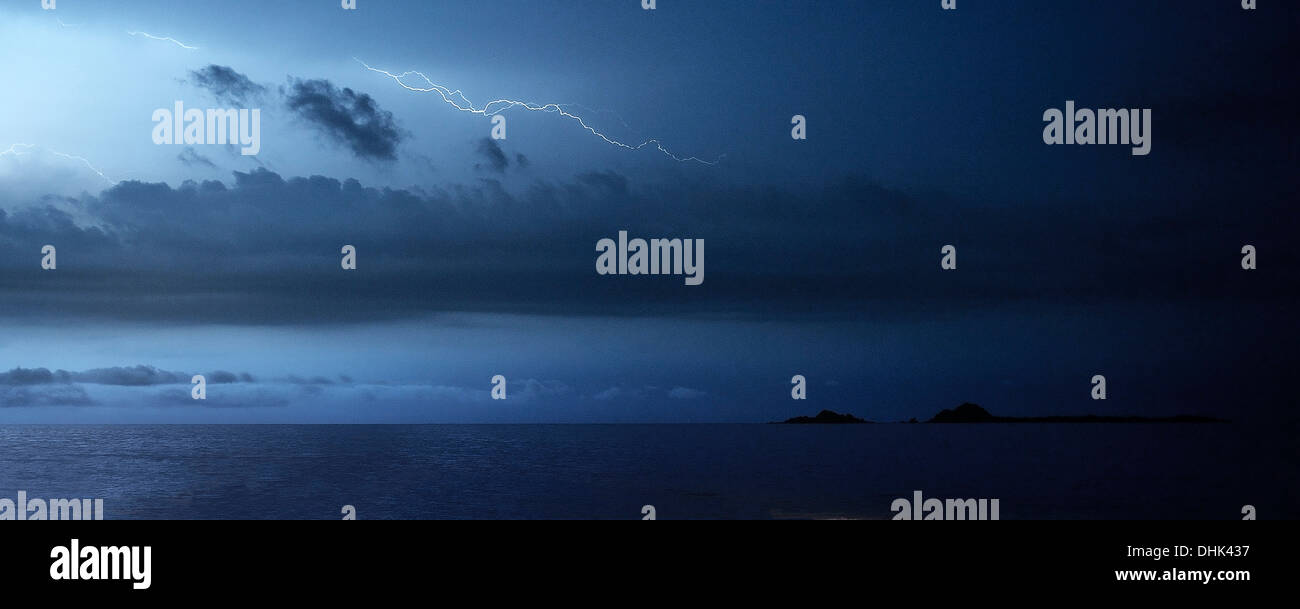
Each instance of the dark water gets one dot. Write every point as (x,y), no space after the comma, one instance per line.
(685,471)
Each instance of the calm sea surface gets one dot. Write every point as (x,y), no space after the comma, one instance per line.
(685,471)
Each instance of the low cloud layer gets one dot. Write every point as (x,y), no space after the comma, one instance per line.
(266,249)
(146,389)
(132,376)
(648,392)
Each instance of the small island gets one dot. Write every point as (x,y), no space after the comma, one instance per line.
(826,416)
(973,413)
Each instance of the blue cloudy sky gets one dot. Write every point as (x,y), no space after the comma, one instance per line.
(476,256)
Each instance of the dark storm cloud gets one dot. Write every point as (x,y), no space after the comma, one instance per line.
(221,377)
(123,376)
(133,376)
(27,376)
(43,395)
(351,118)
(492,154)
(495,158)
(266,249)
(227,85)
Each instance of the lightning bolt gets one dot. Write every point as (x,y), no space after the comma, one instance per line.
(165,39)
(457,100)
(13,150)
(616,115)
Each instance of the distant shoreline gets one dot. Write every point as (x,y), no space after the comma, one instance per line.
(972,413)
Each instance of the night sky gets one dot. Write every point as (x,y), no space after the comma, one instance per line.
(476,256)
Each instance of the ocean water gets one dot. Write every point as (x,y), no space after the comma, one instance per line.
(1037,471)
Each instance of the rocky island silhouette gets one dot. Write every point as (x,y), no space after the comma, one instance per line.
(974,413)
